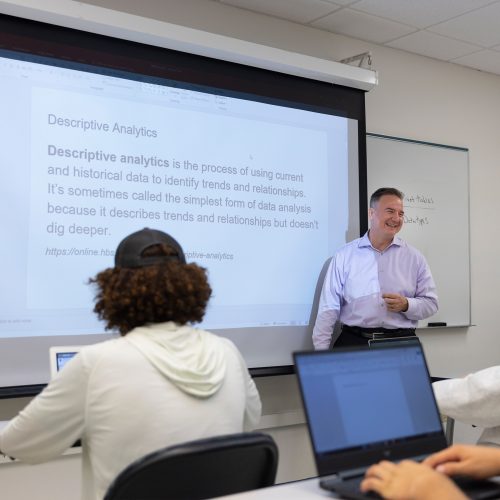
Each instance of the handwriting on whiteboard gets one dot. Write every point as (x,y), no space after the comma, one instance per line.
(418,207)
(420,221)
(419,199)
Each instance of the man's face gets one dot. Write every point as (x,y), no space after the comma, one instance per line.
(386,218)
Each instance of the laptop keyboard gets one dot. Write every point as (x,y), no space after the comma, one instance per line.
(474,489)
(478,489)
(348,488)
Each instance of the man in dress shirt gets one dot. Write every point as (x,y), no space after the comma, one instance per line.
(376,286)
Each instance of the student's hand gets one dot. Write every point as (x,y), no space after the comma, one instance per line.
(409,480)
(395,302)
(476,461)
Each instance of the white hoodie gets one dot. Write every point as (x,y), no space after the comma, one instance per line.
(192,359)
(158,386)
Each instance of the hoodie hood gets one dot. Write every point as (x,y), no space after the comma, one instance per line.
(191,359)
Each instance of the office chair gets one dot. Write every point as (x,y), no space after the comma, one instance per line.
(200,469)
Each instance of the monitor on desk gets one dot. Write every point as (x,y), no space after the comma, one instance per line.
(59,356)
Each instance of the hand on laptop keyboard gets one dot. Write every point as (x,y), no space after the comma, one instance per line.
(409,480)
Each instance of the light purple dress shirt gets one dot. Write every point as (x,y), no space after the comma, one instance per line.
(357,277)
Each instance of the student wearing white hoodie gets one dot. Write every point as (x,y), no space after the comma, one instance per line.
(161,383)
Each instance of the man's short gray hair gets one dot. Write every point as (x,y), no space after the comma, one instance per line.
(375,197)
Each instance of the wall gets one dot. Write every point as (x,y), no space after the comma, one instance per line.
(417,98)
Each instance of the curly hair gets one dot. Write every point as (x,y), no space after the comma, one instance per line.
(169,291)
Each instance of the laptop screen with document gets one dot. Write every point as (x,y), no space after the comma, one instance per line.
(364,405)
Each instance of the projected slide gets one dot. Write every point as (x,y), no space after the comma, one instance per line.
(254,192)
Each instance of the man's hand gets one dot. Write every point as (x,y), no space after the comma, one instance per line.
(409,480)
(476,461)
(395,302)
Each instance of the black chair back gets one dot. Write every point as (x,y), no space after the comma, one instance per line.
(200,469)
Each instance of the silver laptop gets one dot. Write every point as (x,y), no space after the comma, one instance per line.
(59,356)
(365,405)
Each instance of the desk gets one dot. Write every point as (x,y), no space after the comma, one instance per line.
(297,490)
(308,489)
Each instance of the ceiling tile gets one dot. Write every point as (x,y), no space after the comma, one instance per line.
(455,30)
(486,60)
(481,27)
(421,13)
(363,26)
(299,11)
(432,45)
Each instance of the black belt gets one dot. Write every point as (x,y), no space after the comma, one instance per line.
(370,333)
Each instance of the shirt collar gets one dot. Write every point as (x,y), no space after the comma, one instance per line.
(364,241)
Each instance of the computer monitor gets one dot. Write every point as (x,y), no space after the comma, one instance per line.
(59,356)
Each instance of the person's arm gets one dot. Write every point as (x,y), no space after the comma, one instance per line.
(52,421)
(328,308)
(425,301)
(479,462)
(253,405)
(409,480)
(323,329)
(473,399)
(253,408)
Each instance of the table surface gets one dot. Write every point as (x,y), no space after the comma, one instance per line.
(296,490)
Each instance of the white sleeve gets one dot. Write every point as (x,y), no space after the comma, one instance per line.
(253,405)
(52,421)
(253,408)
(474,399)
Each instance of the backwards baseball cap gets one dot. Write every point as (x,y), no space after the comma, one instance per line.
(130,250)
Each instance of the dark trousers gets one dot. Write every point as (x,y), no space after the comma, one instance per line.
(347,339)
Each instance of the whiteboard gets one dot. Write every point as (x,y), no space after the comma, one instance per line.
(435,181)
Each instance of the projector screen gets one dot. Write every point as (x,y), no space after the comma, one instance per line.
(259,175)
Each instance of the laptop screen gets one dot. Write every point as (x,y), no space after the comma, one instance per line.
(361,402)
(60,355)
(62,358)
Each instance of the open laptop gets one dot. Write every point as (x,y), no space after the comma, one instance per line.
(60,355)
(365,405)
